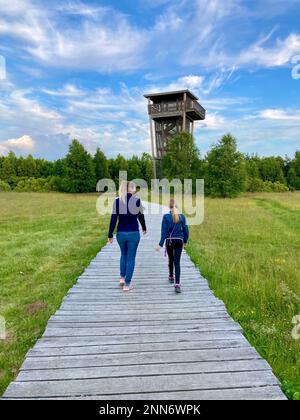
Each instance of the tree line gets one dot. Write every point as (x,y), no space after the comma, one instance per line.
(226,171)
(77,172)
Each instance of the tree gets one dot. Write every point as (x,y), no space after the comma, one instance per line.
(27,167)
(9,167)
(134,168)
(226,172)
(180,157)
(116,165)
(60,167)
(271,169)
(101,165)
(254,182)
(79,169)
(293,176)
(146,164)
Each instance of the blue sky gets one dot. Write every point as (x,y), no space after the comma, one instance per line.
(80,68)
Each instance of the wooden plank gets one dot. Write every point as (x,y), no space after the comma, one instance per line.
(78,349)
(163,312)
(140,358)
(92,331)
(141,384)
(111,340)
(97,372)
(121,317)
(247,393)
(96,323)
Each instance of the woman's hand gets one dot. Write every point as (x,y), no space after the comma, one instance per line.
(110,240)
(144,232)
(157,248)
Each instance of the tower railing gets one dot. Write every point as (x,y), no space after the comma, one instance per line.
(178,106)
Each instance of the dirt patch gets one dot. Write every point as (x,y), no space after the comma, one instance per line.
(34,308)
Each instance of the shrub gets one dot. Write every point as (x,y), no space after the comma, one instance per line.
(255,185)
(34,185)
(4,186)
(279,187)
(269,186)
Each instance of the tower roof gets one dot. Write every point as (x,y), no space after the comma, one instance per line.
(162,95)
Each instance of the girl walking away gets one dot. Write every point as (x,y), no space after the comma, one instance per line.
(175,232)
(127,211)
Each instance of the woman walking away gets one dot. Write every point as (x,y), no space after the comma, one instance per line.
(127,211)
(175,232)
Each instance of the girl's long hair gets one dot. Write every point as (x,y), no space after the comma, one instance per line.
(174,211)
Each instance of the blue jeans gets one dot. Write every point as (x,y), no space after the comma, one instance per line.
(128,243)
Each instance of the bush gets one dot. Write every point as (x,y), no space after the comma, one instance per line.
(34,185)
(279,187)
(255,185)
(4,186)
(269,186)
(58,183)
(258,185)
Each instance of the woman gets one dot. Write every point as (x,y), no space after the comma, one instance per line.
(127,211)
(175,232)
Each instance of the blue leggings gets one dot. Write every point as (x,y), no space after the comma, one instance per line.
(128,243)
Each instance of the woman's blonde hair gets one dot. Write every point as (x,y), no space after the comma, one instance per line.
(123,189)
(174,211)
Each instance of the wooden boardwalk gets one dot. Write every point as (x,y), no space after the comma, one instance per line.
(148,344)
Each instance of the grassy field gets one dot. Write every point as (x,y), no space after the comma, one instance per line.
(249,250)
(46,240)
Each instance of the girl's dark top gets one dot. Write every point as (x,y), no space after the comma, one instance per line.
(127,215)
(169,229)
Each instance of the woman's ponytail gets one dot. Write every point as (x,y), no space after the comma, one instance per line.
(123,190)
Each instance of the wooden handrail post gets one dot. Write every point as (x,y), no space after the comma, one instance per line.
(184,112)
(152,142)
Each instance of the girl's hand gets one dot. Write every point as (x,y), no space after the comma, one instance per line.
(110,240)
(144,232)
(157,248)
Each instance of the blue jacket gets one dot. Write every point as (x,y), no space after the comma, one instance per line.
(128,214)
(169,229)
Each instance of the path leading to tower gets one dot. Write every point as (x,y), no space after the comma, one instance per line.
(149,343)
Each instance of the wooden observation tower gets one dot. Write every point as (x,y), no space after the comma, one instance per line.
(171,113)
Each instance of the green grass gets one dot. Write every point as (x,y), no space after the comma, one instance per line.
(46,240)
(249,250)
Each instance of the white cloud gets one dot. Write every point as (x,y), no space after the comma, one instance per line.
(213,121)
(280,115)
(187,34)
(102,40)
(277,55)
(68,90)
(23,144)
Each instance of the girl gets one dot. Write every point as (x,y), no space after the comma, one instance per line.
(127,210)
(174,231)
